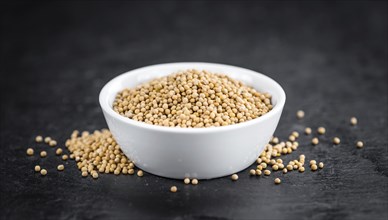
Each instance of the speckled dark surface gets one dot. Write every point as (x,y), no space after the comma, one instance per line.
(331,59)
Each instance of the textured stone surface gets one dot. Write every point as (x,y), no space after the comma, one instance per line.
(331,59)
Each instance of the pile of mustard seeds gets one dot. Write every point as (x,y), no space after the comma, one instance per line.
(192,99)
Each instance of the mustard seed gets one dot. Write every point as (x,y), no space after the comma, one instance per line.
(295,134)
(30,151)
(173,189)
(315,141)
(301,169)
(290,167)
(285,170)
(43,172)
(321,130)
(320,165)
(258,172)
(59,151)
(312,162)
(95,175)
(47,140)
(194,181)
(140,173)
(84,173)
(65,157)
(252,172)
(336,141)
(52,143)
(275,167)
(360,144)
(291,138)
(38,139)
(314,167)
(277,181)
(37,168)
(353,121)
(267,172)
(60,167)
(186,181)
(234,177)
(307,130)
(43,154)
(300,114)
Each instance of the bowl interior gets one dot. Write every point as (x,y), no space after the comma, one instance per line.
(135,77)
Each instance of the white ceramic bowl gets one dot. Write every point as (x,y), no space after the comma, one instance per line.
(202,153)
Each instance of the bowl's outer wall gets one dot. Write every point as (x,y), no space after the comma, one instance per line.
(201,155)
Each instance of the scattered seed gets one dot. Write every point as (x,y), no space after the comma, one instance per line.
(252,172)
(47,140)
(95,175)
(43,172)
(186,181)
(360,144)
(315,141)
(321,130)
(290,167)
(267,172)
(275,167)
(285,170)
(336,141)
(301,169)
(234,177)
(353,121)
(140,173)
(84,173)
(59,151)
(291,138)
(52,143)
(307,130)
(312,162)
(37,168)
(300,114)
(65,157)
(43,154)
(173,189)
(60,167)
(38,139)
(277,181)
(320,165)
(314,167)
(194,181)
(258,172)
(30,151)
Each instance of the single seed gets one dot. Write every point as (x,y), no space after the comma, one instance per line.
(43,154)
(267,172)
(360,144)
(194,181)
(258,172)
(307,130)
(52,143)
(264,165)
(275,167)
(84,173)
(353,121)
(300,114)
(60,167)
(37,168)
(321,130)
(59,151)
(47,140)
(312,162)
(336,141)
(30,151)
(186,181)
(295,134)
(291,138)
(173,189)
(314,167)
(315,141)
(277,181)
(301,169)
(252,172)
(38,139)
(290,167)
(43,172)
(320,165)
(65,157)
(234,177)
(285,170)
(140,173)
(95,175)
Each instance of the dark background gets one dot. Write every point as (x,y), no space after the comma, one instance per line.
(331,59)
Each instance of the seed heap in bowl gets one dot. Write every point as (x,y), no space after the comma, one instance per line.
(192,98)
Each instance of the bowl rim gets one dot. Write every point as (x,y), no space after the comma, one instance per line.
(105,94)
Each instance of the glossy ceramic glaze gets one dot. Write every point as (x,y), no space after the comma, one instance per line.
(201,153)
